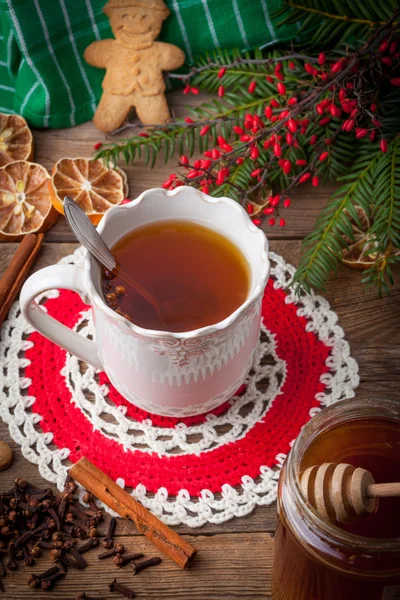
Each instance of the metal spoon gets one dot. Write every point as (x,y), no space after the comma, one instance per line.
(86,233)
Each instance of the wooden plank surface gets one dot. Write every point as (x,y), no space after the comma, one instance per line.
(235,559)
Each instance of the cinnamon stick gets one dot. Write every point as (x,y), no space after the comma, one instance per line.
(106,490)
(17,271)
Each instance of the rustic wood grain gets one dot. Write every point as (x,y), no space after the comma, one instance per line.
(235,558)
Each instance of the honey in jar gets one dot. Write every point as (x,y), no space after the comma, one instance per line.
(320,560)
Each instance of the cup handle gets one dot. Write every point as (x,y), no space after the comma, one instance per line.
(69,277)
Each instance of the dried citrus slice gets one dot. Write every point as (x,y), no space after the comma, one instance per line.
(92,185)
(16,142)
(25,200)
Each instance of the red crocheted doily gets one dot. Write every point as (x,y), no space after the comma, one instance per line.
(305,357)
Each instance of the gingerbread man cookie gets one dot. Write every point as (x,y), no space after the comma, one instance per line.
(134,63)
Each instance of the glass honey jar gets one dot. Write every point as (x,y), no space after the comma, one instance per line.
(320,560)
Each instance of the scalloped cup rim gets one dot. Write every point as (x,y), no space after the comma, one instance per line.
(209,329)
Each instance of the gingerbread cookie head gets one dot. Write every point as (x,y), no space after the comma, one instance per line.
(136,22)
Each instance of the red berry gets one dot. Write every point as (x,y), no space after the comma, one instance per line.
(250,209)
(252,87)
(274,103)
(186,90)
(395,81)
(376,122)
(361,132)
(342,94)
(238,130)
(184,160)
(301,162)
(240,160)
(387,60)
(282,222)
(321,58)
(325,121)
(372,135)
(215,153)
(392,47)
(281,88)
(384,46)
(257,222)
(221,72)
(204,130)
(97,146)
(323,156)
(221,175)
(291,65)
(205,189)
(279,76)
(384,145)
(188,120)
(373,107)
(304,177)
(143,135)
(266,144)
(221,91)
(271,221)
(278,67)
(320,109)
(167,184)
(286,202)
(268,112)
(289,138)
(269,79)
(315,181)
(274,200)
(337,66)
(269,210)
(348,125)
(292,125)
(254,153)
(287,167)
(256,172)
(292,101)
(335,111)
(195,91)
(192,174)
(277,150)
(284,114)
(313,139)
(221,141)
(309,68)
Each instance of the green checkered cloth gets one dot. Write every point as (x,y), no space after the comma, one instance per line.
(44,77)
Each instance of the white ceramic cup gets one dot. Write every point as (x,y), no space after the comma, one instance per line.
(173,374)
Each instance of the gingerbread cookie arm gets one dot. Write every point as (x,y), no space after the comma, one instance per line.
(99,53)
(171,57)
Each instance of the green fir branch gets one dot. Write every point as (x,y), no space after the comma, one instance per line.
(323,247)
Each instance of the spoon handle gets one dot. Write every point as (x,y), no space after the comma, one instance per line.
(87,234)
(383,490)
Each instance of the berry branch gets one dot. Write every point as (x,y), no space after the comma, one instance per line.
(303,118)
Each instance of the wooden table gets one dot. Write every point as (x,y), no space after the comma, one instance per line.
(235,558)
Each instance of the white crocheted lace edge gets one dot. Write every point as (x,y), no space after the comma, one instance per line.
(340,383)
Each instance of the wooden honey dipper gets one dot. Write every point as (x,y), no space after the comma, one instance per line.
(342,492)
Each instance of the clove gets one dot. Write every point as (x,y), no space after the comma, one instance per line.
(121,589)
(122,561)
(145,564)
(91,543)
(108,540)
(28,559)
(117,549)
(84,596)
(48,582)
(12,563)
(68,561)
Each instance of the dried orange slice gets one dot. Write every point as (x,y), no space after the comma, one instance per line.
(25,200)
(16,142)
(88,181)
